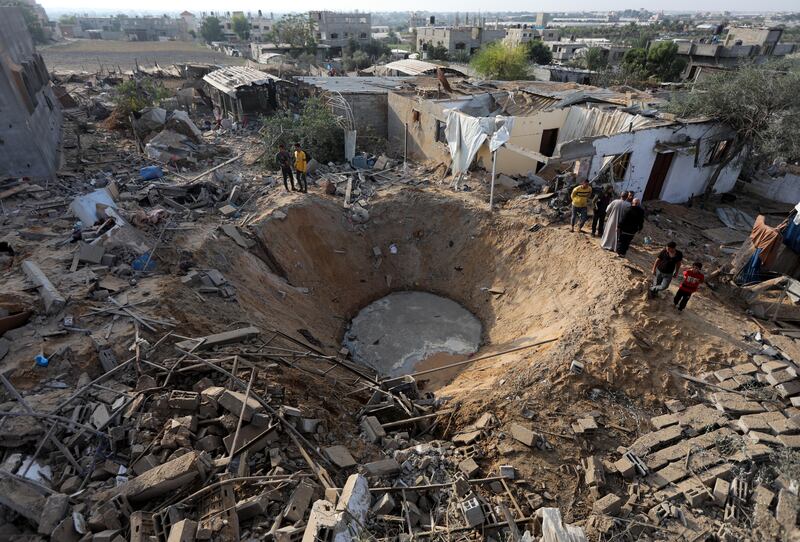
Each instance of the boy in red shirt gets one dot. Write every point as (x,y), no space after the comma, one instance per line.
(692,279)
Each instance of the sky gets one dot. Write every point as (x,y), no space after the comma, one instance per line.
(441,5)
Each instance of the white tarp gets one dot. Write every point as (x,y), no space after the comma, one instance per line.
(349,145)
(86,207)
(466,134)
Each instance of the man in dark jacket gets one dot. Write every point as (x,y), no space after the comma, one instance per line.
(284,160)
(600,204)
(631,224)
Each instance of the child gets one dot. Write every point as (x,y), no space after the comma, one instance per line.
(692,279)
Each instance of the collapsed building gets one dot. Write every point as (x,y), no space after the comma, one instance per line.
(30,133)
(595,133)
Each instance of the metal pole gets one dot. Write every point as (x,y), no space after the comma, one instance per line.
(491,189)
(405,148)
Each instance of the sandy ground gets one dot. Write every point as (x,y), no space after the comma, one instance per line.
(89,55)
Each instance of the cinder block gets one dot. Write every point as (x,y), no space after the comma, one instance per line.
(610,505)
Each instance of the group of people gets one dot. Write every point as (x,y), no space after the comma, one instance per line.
(618,221)
(300,162)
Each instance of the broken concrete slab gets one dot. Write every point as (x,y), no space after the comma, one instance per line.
(299,501)
(165,477)
(383,467)
(21,498)
(339,456)
(524,435)
(217,339)
(54,510)
(183,531)
(372,428)
(233,401)
(89,253)
(52,298)
(609,505)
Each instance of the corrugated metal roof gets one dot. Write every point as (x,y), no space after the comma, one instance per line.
(355,85)
(231,78)
(411,66)
(581,122)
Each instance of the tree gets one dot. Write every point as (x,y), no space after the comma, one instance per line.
(539,53)
(317,129)
(211,30)
(438,52)
(595,59)
(758,103)
(663,61)
(295,30)
(68,19)
(136,94)
(500,61)
(241,26)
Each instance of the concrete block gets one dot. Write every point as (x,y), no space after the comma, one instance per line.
(788,389)
(53,300)
(780,377)
(227,337)
(524,435)
(183,531)
(508,471)
(164,478)
(184,400)
(233,401)
(21,498)
(610,505)
(790,441)
(660,422)
(299,501)
(468,467)
(786,510)
(339,456)
(721,490)
(91,253)
(354,501)
(372,428)
(473,513)
(383,467)
(106,536)
(54,510)
(289,533)
(250,434)
(384,505)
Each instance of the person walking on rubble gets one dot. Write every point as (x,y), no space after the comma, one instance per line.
(665,268)
(600,203)
(284,160)
(300,166)
(614,212)
(692,279)
(580,205)
(632,223)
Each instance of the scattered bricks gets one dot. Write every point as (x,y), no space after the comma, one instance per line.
(308,425)
(762,496)
(724,374)
(670,474)
(608,505)
(299,502)
(90,253)
(468,467)
(251,507)
(291,412)
(585,425)
(772,366)
(795,401)
(383,505)
(790,441)
(786,510)
(289,533)
(701,418)
(656,440)
(372,429)
(659,512)
(461,485)
(233,401)
(509,472)
(594,473)
(473,513)
(71,485)
(625,467)
(145,463)
(759,422)
(184,400)
(108,360)
(576,367)
(355,498)
(384,467)
(784,426)
(723,471)
(745,368)
(183,531)
(191,278)
(789,389)
(779,377)
(340,456)
(228,210)
(721,490)
(523,435)
(255,438)
(760,360)
(54,510)
(660,422)
(731,403)
(261,419)
(53,300)
(212,394)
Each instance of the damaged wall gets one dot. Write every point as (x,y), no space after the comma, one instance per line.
(30,134)
(689,170)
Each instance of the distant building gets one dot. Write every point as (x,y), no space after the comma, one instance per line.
(336,29)
(126,28)
(454,39)
(30,134)
(564,51)
(518,35)
(740,45)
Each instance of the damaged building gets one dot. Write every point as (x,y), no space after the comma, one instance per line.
(239,91)
(595,133)
(30,134)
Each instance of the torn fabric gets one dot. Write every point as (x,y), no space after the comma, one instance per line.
(466,134)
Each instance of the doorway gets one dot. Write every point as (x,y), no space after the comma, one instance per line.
(657,176)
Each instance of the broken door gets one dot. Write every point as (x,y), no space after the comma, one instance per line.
(658,175)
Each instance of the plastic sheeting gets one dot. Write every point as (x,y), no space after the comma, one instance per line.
(86,207)
(466,134)
(349,145)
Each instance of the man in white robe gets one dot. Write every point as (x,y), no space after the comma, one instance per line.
(614,213)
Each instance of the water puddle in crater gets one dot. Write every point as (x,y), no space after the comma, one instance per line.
(408,331)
